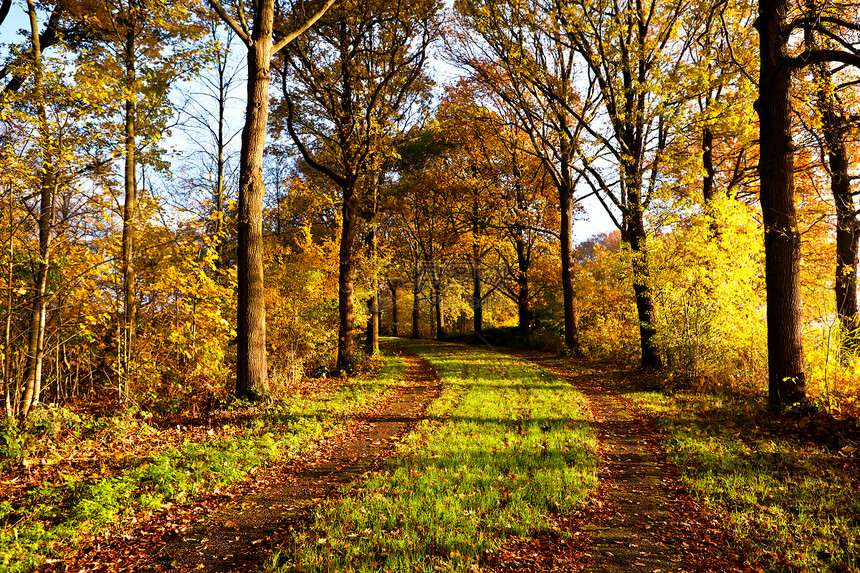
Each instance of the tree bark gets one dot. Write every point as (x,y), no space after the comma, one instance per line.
(786,374)
(36,333)
(835,126)
(251,320)
(392,286)
(571,314)
(346,282)
(128,215)
(372,346)
(477,295)
(416,292)
(524,313)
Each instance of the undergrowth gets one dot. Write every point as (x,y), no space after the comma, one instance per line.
(84,501)
(793,501)
(505,447)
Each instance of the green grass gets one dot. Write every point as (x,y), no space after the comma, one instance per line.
(795,503)
(504,448)
(36,530)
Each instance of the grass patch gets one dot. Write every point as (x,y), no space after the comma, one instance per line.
(78,503)
(796,503)
(504,448)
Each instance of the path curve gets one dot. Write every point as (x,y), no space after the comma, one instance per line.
(240,538)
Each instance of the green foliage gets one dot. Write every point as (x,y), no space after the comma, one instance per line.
(505,447)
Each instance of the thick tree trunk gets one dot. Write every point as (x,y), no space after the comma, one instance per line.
(36,334)
(251,320)
(128,230)
(571,314)
(786,375)
(346,283)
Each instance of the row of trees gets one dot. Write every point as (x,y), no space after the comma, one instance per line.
(647,107)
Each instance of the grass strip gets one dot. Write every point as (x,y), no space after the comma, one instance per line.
(796,504)
(504,447)
(57,515)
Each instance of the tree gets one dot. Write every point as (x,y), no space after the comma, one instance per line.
(47,184)
(251,311)
(786,369)
(836,128)
(522,56)
(348,88)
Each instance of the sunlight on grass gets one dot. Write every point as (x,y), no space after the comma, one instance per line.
(59,515)
(504,447)
(794,503)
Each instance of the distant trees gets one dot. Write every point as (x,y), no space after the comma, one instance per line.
(347,88)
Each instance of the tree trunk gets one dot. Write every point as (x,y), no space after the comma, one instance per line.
(346,282)
(477,295)
(524,313)
(571,314)
(439,311)
(708,164)
(416,292)
(372,345)
(636,238)
(221,160)
(834,127)
(129,210)
(36,334)
(251,319)
(786,375)
(394,321)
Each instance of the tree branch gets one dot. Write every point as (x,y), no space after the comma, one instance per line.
(303,28)
(240,31)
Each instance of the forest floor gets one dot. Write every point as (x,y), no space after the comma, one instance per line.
(457,459)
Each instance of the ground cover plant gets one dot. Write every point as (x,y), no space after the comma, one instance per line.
(67,478)
(786,485)
(505,448)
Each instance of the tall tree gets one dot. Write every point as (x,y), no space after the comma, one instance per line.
(836,128)
(251,318)
(786,369)
(47,184)
(142,46)
(348,87)
(518,50)
(634,60)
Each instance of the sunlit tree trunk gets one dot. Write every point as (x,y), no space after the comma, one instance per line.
(47,182)
(786,374)
(128,216)
(251,367)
